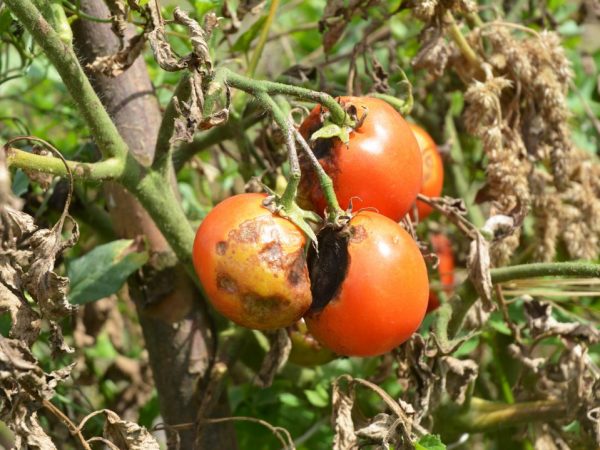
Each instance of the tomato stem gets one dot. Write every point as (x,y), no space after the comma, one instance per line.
(333,207)
(254,87)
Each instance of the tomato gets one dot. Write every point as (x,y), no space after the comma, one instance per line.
(251,264)
(433,169)
(443,248)
(380,167)
(370,296)
(306,350)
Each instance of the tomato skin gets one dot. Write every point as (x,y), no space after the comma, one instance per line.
(251,264)
(383,297)
(443,248)
(433,169)
(381,167)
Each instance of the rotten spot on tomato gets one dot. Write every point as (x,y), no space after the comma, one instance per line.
(221,248)
(272,255)
(297,269)
(261,307)
(225,283)
(327,269)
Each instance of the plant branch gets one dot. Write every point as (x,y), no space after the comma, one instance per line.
(73,429)
(338,115)
(324,180)
(167,125)
(64,59)
(466,295)
(288,197)
(462,44)
(555,269)
(484,415)
(99,171)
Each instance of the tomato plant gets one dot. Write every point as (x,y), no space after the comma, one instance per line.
(380,166)
(433,169)
(251,264)
(360,311)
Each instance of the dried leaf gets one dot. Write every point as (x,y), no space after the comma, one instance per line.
(27,265)
(117,63)
(341,414)
(336,17)
(541,322)
(23,385)
(127,435)
(478,265)
(457,375)
(276,357)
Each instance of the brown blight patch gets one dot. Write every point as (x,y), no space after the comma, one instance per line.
(263,308)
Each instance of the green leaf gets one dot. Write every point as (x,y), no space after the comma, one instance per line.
(103,271)
(243,42)
(430,442)
(331,130)
(5,20)
(318,397)
(20,183)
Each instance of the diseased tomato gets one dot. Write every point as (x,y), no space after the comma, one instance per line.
(433,169)
(380,167)
(443,248)
(251,263)
(306,350)
(369,285)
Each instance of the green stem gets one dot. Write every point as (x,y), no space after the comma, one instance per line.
(108,169)
(333,207)
(462,44)
(289,195)
(158,198)
(64,59)
(262,39)
(338,115)
(484,415)
(466,295)
(167,125)
(555,269)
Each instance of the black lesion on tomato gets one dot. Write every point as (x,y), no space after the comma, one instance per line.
(328,268)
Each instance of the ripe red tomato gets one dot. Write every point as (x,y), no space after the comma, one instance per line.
(380,167)
(251,263)
(306,350)
(443,248)
(433,169)
(379,296)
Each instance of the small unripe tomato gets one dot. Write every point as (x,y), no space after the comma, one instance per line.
(371,296)
(380,167)
(443,248)
(306,350)
(433,169)
(251,264)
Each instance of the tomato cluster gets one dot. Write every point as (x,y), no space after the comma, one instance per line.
(366,289)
